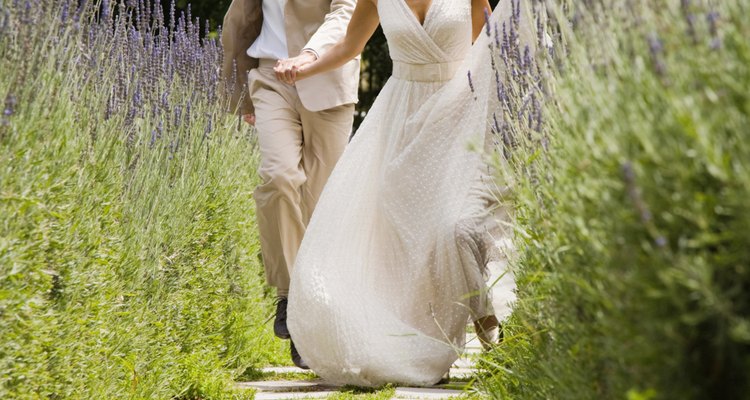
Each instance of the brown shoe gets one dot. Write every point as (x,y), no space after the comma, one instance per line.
(489,331)
(279,322)
(296,358)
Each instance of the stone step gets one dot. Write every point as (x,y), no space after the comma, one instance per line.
(473,345)
(286,389)
(292,395)
(462,373)
(400,393)
(284,370)
(464,362)
(314,385)
(462,369)
(425,393)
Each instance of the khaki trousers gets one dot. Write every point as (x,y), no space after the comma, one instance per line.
(298,150)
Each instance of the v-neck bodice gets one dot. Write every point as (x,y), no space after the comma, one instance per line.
(443,37)
(426,15)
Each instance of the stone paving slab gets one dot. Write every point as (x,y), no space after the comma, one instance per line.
(292,395)
(425,393)
(472,340)
(472,343)
(284,370)
(317,388)
(463,368)
(464,362)
(462,373)
(289,386)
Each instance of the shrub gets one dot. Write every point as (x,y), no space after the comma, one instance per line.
(632,211)
(128,261)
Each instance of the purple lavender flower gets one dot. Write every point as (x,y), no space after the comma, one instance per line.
(634,192)
(505,50)
(496,124)
(153,138)
(690,18)
(4,20)
(188,110)
(10,105)
(655,45)
(109,109)
(499,87)
(172,16)
(497,35)
(134,59)
(209,126)
(487,22)
(105,10)
(26,16)
(64,12)
(656,48)
(537,111)
(713,19)
(527,57)
(713,27)
(177,115)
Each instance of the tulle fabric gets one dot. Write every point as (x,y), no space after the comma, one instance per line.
(386,278)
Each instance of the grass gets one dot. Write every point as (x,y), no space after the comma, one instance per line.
(258,375)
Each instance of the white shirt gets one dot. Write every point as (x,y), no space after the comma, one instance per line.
(271,43)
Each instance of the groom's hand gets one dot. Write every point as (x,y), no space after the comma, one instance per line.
(249,118)
(286,70)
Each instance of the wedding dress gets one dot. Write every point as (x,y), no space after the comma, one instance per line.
(390,271)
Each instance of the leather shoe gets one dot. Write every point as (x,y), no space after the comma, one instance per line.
(489,331)
(279,323)
(296,358)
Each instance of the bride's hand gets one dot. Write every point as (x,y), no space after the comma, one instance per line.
(362,25)
(288,70)
(302,73)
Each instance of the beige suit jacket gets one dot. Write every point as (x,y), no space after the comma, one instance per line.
(310,24)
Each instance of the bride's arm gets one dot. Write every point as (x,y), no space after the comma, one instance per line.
(361,27)
(477,16)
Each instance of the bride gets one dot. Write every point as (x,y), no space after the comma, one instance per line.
(393,263)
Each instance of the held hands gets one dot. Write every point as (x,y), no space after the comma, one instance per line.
(249,118)
(293,69)
(288,71)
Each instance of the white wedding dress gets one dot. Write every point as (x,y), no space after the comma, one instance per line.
(392,265)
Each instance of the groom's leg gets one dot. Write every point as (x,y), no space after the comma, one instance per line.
(325,134)
(279,215)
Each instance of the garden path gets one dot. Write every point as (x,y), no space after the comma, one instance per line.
(308,387)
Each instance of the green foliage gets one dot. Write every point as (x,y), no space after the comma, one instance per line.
(634,265)
(210,11)
(376,69)
(128,267)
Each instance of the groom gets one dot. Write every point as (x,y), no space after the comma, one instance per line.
(302,129)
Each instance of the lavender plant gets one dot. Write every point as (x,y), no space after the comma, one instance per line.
(629,182)
(128,262)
